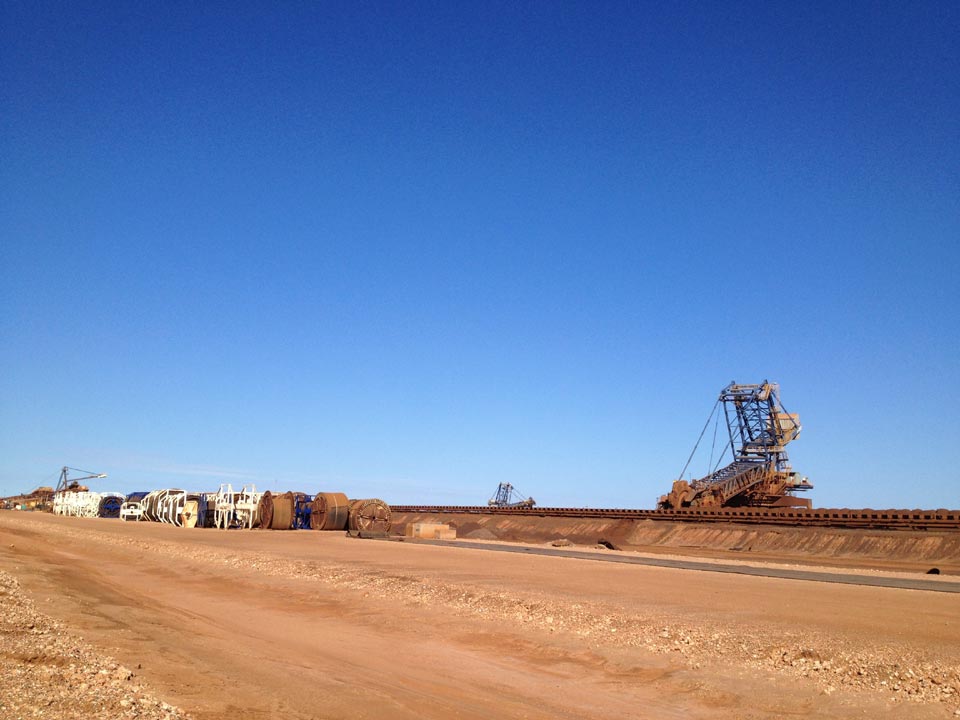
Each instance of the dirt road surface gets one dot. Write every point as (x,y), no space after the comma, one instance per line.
(261,624)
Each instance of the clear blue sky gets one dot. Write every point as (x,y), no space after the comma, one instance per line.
(411,250)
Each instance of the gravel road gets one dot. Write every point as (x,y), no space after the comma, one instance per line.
(254,624)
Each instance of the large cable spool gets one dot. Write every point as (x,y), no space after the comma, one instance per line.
(371,515)
(276,511)
(171,507)
(149,505)
(190,513)
(330,511)
(283,506)
(266,510)
(162,505)
(109,506)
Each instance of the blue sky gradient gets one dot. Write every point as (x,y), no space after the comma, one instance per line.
(413,250)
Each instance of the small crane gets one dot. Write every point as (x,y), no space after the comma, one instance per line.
(507,496)
(65,484)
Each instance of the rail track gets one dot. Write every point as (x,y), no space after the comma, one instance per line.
(867,519)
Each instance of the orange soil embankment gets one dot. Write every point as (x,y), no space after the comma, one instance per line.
(882,549)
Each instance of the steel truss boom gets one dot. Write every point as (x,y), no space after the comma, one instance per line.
(759,429)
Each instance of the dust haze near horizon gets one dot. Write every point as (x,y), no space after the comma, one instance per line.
(412,252)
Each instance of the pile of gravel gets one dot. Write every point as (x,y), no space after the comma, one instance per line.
(45,672)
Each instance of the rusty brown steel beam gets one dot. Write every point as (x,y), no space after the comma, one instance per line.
(894,519)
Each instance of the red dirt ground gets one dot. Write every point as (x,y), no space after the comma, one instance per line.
(259,624)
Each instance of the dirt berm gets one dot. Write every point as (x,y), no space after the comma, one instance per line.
(910,551)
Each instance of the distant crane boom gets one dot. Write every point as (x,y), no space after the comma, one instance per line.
(66,484)
(507,496)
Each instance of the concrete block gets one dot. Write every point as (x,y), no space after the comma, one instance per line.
(434,531)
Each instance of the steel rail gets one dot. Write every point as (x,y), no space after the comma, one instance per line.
(868,519)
